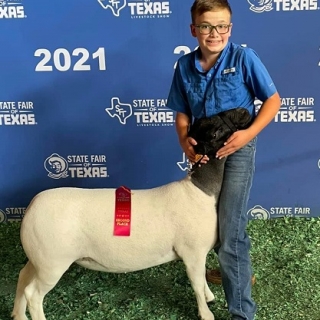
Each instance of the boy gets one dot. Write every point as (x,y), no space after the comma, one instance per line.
(218,76)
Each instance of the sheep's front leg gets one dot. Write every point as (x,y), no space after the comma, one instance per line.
(195,265)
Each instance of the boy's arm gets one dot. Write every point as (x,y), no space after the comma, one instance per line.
(182,126)
(240,138)
(267,112)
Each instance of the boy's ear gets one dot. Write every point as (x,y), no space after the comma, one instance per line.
(193,30)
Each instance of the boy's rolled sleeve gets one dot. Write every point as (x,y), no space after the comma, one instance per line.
(257,76)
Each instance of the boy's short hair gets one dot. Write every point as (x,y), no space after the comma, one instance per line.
(201,6)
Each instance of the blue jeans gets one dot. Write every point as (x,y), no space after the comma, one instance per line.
(233,248)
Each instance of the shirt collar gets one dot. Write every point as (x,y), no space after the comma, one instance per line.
(198,56)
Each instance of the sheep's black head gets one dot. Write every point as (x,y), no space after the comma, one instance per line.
(211,133)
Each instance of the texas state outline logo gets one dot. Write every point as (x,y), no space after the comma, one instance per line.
(114,5)
(184,164)
(120,110)
(259,6)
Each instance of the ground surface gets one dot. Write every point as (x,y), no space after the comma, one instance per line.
(285,255)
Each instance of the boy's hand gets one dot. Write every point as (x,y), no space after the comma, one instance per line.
(238,140)
(187,146)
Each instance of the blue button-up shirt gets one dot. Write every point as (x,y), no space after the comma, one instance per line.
(236,79)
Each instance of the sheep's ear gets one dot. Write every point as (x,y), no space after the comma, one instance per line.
(240,117)
(196,127)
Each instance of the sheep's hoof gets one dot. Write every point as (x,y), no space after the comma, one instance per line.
(15,317)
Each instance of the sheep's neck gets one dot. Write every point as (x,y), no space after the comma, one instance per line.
(209,177)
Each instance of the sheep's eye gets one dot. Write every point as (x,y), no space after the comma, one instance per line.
(216,134)
(211,136)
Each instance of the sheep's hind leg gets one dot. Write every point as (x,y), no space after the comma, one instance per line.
(43,281)
(20,301)
(209,295)
(196,272)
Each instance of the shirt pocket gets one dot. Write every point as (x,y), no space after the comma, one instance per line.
(228,91)
(195,94)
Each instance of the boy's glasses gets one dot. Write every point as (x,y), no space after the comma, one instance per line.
(207,28)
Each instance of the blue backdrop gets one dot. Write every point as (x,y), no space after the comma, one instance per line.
(83,98)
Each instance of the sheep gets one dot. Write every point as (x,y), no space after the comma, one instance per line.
(174,221)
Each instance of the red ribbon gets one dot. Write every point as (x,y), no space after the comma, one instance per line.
(122,214)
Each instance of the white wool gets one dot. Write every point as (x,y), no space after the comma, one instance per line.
(164,220)
(66,225)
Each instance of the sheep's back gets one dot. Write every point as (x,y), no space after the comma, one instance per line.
(79,223)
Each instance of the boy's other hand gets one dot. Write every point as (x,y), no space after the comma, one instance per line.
(187,146)
(238,140)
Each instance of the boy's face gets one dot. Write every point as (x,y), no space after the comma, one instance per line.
(212,43)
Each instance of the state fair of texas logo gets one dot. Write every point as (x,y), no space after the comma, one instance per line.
(260,5)
(146,112)
(114,5)
(120,110)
